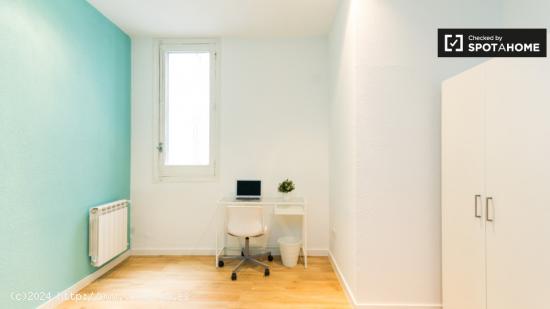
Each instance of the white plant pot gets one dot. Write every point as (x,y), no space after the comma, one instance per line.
(286,196)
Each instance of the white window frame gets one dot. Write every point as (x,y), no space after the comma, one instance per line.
(165,173)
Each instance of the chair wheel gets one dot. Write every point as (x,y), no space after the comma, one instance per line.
(270,257)
(266,272)
(234,276)
(220,263)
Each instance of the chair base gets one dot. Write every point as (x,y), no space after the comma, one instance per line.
(247,257)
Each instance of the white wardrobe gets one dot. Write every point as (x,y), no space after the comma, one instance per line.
(496,186)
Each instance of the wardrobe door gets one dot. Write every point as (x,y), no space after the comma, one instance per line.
(463,191)
(518,184)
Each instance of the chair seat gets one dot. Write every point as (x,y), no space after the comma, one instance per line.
(245,233)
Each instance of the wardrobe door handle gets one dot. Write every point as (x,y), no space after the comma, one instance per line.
(477,198)
(487,200)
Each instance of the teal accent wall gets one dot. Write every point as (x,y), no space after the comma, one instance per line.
(64,139)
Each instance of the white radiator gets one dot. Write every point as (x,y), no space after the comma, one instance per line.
(108,231)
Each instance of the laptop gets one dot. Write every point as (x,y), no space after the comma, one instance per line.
(249,190)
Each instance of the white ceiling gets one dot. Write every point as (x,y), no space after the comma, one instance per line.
(177,18)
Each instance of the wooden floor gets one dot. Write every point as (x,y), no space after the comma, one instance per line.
(194,282)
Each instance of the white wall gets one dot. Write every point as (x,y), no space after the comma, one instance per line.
(396,78)
(343,229)
(273,125)
(526,13)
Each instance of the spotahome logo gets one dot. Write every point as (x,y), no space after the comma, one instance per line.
(454,42)
(491,42)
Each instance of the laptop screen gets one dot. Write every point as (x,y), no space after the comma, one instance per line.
(249,188)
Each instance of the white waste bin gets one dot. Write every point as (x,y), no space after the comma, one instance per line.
(290,250)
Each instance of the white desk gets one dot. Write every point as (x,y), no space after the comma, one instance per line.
(291,207)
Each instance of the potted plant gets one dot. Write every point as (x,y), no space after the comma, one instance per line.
(286,187)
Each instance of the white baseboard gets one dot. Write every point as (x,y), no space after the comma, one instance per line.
(343,282)
(156,252)
(317,252)
(66,294)
(357,305)
(185,251)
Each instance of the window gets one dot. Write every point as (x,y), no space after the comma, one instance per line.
(186,143)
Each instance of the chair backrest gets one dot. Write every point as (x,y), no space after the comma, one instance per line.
(245,221)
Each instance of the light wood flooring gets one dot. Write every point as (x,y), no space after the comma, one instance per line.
(194,282)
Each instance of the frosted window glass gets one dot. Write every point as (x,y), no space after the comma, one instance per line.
(187,136)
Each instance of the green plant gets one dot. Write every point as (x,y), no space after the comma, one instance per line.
(286,186)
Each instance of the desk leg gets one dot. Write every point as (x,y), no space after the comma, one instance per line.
(220,233)
(304,239)
(218,251)
(217,235)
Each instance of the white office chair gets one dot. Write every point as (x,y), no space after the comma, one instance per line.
(246,221)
